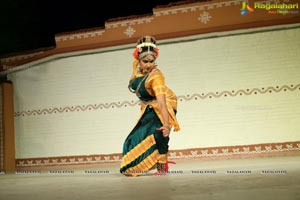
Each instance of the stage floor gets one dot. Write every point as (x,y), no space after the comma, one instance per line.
(256,178)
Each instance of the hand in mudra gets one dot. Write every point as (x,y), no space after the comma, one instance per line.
(165,130)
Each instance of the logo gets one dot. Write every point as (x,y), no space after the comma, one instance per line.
(246,8)
(271,8)
(278,8)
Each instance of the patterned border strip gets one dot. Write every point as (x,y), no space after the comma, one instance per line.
(211,152)
(128,22)
(195,8)
(236,150)
(76,108)
(20,57)
(240,92)
(79,35)
(188,97)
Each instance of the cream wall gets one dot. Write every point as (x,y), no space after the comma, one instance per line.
(219,64)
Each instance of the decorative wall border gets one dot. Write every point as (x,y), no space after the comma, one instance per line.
(20,57)
(128,22)
(227,152)
(208,6)
(188,97)
(80,35)
(240,92)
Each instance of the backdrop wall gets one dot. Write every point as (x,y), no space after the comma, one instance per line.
(233,90)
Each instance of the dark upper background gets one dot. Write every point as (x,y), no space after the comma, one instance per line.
(32,24)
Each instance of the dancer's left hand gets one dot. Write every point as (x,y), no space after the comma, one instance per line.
(165,130)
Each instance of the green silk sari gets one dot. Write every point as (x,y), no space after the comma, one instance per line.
(144,145)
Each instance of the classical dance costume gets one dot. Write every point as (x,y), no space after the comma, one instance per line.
(145,146)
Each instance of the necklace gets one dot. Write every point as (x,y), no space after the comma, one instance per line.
(138,87)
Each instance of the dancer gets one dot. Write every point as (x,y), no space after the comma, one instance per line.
(146,147)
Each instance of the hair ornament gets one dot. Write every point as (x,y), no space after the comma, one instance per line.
(146,45)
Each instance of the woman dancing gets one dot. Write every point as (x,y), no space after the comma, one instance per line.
(146,147)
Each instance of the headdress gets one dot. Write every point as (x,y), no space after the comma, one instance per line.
(146,45)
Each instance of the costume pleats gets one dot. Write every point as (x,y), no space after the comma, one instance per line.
(145,146)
